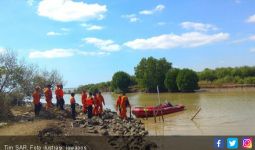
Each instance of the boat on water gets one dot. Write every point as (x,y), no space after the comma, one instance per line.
(151,111)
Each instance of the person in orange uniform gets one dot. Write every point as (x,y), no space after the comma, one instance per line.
(60,97)
(36,100)
(89,104)
(123,105)
(57,93)
(96,105)
(118,109)
(48,96)
(83,100)
(100,99)
(62,101)
(72,102)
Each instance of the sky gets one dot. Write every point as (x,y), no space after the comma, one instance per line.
(87,41)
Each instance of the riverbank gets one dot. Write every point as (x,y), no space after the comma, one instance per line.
(110,128)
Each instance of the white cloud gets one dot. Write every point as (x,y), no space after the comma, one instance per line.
(197,26)
(65,29)
(105,45)
(252,49)
(53,53)
(131,17)
(91,27)
(167,41)
(252,38)
(30,2)
(63,53)
(69,10)
(2,50)
(92,53)
(52,33)
(251,19)
(161,23)
(158,8)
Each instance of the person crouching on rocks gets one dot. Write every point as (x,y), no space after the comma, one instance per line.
(72,102)
(89,104)
(123,105)
(36,100)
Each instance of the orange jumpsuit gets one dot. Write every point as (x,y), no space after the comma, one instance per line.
(36,98)
(123,106)
(48,97)
(100,103)
(118,109)
(83,100)
(96,108)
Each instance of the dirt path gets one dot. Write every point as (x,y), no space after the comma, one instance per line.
(26,128)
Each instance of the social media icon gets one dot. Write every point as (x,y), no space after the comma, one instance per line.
(219,143)
(247,143)
(232,143)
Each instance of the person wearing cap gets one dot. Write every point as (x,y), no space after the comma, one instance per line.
(36,100)
(48,96)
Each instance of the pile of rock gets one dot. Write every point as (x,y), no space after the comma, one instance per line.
(110,124)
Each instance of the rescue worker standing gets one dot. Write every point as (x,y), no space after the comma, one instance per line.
(96,105)
(100,99)
(57,93)
(36,100)
(123,105)
(60,97)
(72,102)
(48,96)
(62,101)
(118,109)
(89,104)
(83,100)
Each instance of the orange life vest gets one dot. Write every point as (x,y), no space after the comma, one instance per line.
(89,101)
(36,97)
(84,98)
(72,100)
(48,94)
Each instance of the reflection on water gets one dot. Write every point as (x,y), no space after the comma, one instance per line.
(224,112)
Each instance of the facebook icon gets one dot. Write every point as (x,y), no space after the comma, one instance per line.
(219,143)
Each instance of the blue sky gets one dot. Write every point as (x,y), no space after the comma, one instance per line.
(88,40)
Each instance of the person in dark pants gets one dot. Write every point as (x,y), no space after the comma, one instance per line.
(89,104)
(72,102)
(62,101)
(36,100)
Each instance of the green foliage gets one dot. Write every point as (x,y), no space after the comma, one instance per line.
(121,81)
(207,75)
(187,80)
(151,72)
(229,75)
(102,86)
(170,80)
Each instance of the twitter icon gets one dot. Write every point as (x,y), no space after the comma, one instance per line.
(232,143)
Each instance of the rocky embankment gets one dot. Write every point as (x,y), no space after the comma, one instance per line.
(117,133)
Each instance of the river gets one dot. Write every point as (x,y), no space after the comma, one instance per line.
(224,111)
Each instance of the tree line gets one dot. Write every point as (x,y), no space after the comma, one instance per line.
(150,73)
(228,75)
